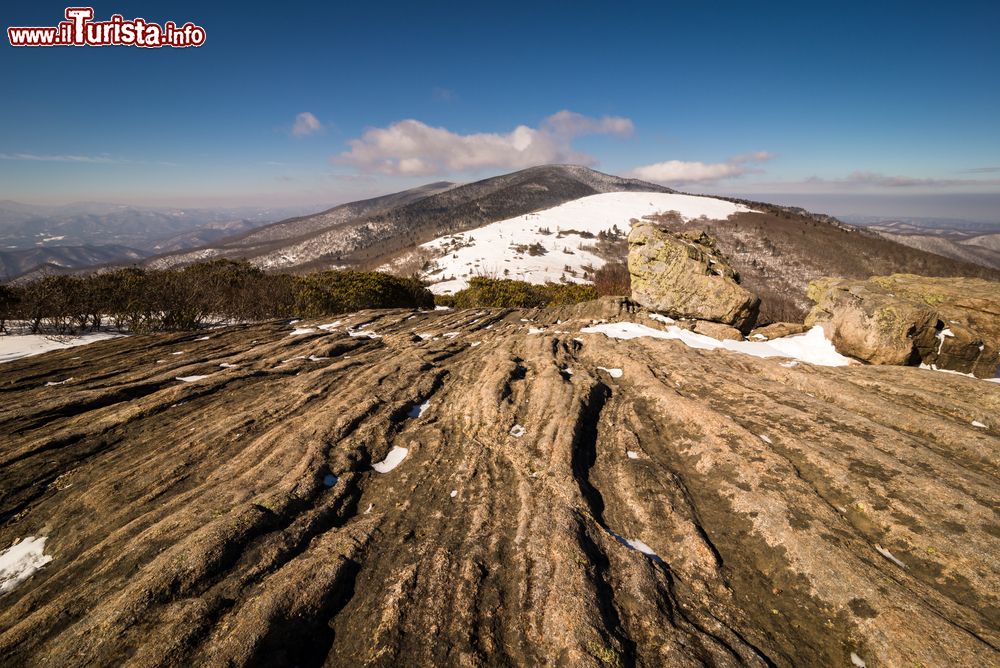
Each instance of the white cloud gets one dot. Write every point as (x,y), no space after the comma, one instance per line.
(679,172)
(35,157)
(306,124)
(413,148)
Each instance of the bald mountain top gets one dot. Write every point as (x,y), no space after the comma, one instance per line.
(364,232)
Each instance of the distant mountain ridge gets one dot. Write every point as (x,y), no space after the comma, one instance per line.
(366,233)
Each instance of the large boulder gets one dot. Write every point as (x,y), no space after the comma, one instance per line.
(685,276)
(948,323)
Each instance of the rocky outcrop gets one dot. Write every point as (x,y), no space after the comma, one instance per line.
(541,496)
(948,323)
(684,276)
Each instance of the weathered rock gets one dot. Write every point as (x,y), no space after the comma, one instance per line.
(684,276)
(777,515)
(949,323)
(716,330)
(776,330)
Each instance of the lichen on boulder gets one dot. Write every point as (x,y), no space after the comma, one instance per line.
(904,319)
(685,276)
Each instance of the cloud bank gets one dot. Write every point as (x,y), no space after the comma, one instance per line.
(413,148)
(306,124)
(679,172)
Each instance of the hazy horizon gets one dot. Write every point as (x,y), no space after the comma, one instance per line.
(880,111)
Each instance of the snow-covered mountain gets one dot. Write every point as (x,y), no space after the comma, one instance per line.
(371,232)
(556,244)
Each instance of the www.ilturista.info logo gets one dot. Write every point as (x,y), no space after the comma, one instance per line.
(79,29)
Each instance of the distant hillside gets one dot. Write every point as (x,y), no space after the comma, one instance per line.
(778,250)
(56,259)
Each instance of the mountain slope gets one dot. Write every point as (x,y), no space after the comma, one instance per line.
(562,497)
(15,263)
(367,233)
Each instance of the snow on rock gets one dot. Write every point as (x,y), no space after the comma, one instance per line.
(765,438)
(614,373)
(227,365)
(493,248)
(517,431)
(366,334)
(662,318)
(190,379)
(392,460)
(418,409)
(330,325)
(454,493)
(16,346)
(20,561)
(632,454)
(812,347)
(302,330)
(858,661)
(535,330)
(888,555)
(53,383)
(975,423)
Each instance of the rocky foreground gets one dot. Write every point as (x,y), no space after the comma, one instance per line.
(563,499)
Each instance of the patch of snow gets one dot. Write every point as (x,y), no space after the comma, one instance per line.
(450,335)
(179,352)
(491,247)
(517,431)
(330,325)
(442,308)
(302,330)
(764,438)
(789,364)
(475,343)
(940,337)
(975,423)
(358,332)
(632,454)
(204,338)
(454,493)
(317,358)
(535,330)
(20,561)
(190,379)
(888,555)
(392,460)
(227,365)
(424,337)
(418,409)
(614,373)
(63,382)
(16,346)
(568,371)
(858,661)
(812,347)
(369,508)
(662,318)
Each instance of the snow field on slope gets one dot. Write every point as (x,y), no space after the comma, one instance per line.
(489,250)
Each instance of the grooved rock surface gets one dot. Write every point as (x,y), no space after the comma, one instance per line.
(950,323)
(682,274)
(564,499)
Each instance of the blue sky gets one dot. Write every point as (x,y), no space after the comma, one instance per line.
(852,105)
